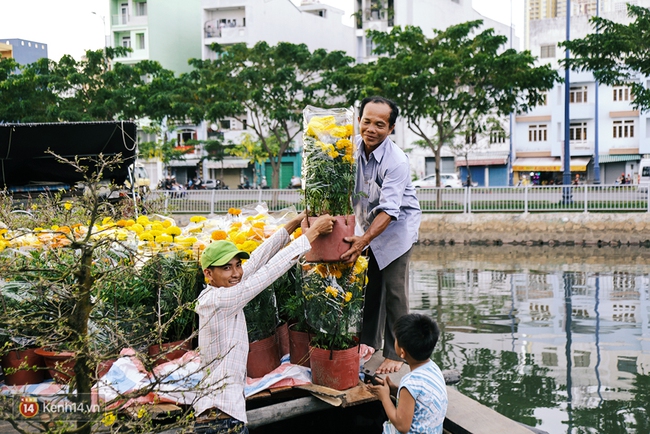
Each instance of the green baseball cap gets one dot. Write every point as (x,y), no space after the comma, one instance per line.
(220,253)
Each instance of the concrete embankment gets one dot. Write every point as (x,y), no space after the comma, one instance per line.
(537,229)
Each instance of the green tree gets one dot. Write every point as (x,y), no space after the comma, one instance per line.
(441,82)
(616,53)
(267,87)
(92,89)
(252,151)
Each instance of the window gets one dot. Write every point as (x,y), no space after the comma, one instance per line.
(547,51)
(141,9)
(370,46)
(139,41)
(225,125)
(621,93)
(537,133)
(126,41)
(184,136)
(244,124)
(470,139)
(124,13)
(578,94)
(497,136)
(623,129)
(578,131)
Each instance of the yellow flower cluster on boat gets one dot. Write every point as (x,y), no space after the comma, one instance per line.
(152,234)
(332,139)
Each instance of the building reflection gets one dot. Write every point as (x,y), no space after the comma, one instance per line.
(581,318)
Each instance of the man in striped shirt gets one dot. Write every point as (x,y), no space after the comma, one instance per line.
(223,341)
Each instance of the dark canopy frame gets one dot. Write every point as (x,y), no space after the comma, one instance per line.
(24,159)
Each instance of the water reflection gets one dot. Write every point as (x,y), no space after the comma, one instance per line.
(556,338)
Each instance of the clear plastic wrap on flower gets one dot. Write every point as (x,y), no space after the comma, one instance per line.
(329,166)
(334,294)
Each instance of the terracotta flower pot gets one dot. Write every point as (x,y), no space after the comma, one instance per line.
(29,367)
(282,339)
(168,351)
(337,369)
(330,247)
(299,346)
(60,364)
(263,357)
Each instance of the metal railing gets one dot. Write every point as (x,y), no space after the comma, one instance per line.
(556,198)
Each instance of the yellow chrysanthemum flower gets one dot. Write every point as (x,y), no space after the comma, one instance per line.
(67,205)
(121,223)
(137,228)
(34,207)
(109,419)
(219,235)
(235,225)
(157,226)
(197,219)
(348,296)
(234,211)
(333,154)
(332,291)
(145,236)
(155,232)
(297,232)
(340,132)
(3,245)
(164,238)
(248,246)
(348,159)
(107,221)
(130,222)
(319,125)
(143,220)
(166,223)
(173,230)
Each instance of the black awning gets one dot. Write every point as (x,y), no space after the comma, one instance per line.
(24,158)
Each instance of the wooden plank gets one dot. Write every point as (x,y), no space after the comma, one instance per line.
(284,410)
(468,416)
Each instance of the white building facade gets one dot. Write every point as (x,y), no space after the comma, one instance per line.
(623,135)
(489,166)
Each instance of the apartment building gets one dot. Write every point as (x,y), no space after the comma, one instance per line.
(489,166)
(249,21)
(623,133)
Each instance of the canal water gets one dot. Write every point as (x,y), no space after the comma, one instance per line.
(557,338)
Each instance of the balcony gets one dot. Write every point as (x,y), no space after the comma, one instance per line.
(582,111)
(216,31)
(129,20)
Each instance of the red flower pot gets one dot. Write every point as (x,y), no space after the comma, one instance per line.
(336,369)
(60,364)
(168,351)
(282,339)
(330,247)
(263,357)
(29,367)
(299,347)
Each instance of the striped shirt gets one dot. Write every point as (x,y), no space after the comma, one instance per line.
(223,340)
(427,387)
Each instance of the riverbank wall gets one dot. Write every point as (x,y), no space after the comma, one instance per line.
(599,229)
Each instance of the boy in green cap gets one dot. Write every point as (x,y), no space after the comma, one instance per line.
(223,342)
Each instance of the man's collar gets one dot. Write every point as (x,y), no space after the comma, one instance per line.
(379,151)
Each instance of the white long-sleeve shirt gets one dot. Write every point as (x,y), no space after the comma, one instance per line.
(223,339)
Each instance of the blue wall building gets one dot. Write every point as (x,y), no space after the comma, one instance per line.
(26,52)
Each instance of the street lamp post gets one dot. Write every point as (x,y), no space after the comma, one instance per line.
(103,26)
(566,179)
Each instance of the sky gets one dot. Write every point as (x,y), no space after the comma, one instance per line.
(73,26)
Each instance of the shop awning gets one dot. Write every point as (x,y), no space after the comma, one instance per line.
(540,164)
(488,159)
(549,164)
(607,158)
(579,164)
(227,163)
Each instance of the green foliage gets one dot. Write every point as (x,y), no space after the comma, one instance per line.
(171,284)
(333,300)
(440,82)
(616,53)
(273,84)
(261,315)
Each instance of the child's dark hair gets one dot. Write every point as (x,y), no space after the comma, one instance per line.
(417,334)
